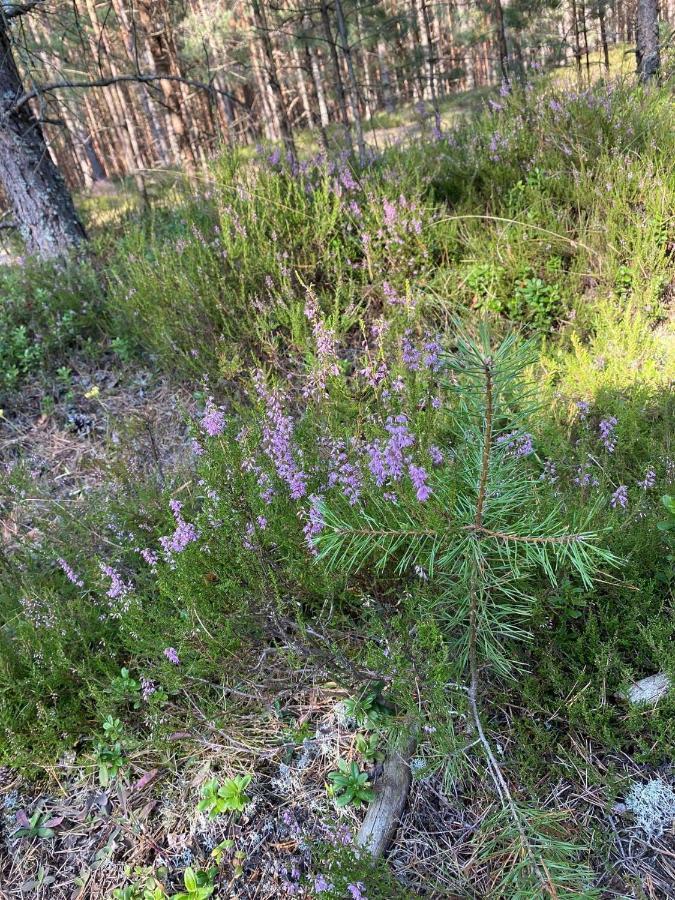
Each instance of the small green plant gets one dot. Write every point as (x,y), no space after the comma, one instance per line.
(227,797)
(110,759)
(113,729)
(126,689)
(367,746)
(39,825)
(350,785)
(367,710)
(198,885)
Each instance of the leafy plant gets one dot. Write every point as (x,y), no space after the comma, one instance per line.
(126,689)
(366,710)
(110,760)
(367,746)
(350,784)
(39,825)
(227,797)
(198,885)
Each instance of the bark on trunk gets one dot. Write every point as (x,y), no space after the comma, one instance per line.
(353,92)
(276,93)
(39,198)
(502,45)
(647,51)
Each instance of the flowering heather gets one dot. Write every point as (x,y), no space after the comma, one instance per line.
(357,891)
(436,455)
(649,480)
(344,474)
(619,497)
(185,532)
(150,557)
(518,445)
(148,688)
(432,354)
(325,350)
(197,448)
(607,436)
(390,213)
(118,587)
(70,574)
(419,476)
(585,479)
(172,655)
(314,525)
(213,420)
(386,460)
(277,439)
(391,295)
(322,885)
(409,353)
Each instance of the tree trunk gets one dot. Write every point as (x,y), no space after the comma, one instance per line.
(339,84)
(353,92)
(647,50)
(276,94)
(162,61)
(602,19)
(39,198)
(502,45)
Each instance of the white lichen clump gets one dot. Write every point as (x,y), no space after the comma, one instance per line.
(653,805)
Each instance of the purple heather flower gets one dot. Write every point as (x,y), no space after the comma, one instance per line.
(517,445)
(197,448)
(262,522)
(213,420)
(619,497)
(118,587)
(148,688)
(150,557)
(357,891)
(606,429)
(649,480)
(315,523)
(390,213)
(409,353)
(432,354)
(321,884)
(172,655)
(585,479)
(391,295)
(277,441)
(70,574)
(436,455)
(419,476)
(185,532)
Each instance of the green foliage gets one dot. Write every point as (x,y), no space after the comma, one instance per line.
(39,825)
(350,785)
(198,885)
(230,796)
(48,311)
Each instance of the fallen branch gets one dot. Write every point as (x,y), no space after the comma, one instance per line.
(391,795)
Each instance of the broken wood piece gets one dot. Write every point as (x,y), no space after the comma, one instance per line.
(649,690)
(391,795)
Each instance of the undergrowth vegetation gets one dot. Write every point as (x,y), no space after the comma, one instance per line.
(450,520)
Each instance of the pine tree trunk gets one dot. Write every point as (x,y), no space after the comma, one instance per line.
(602,18)
(501,44)
(339,83)
(353,92)
(39,198)
(276,93)
(162,60)
(647,51)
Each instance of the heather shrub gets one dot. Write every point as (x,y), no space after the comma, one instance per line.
(48,311)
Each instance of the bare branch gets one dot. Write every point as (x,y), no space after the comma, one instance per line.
(19,9)
(140,78)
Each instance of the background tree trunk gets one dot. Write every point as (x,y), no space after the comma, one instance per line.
(40,200)
(647,51)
